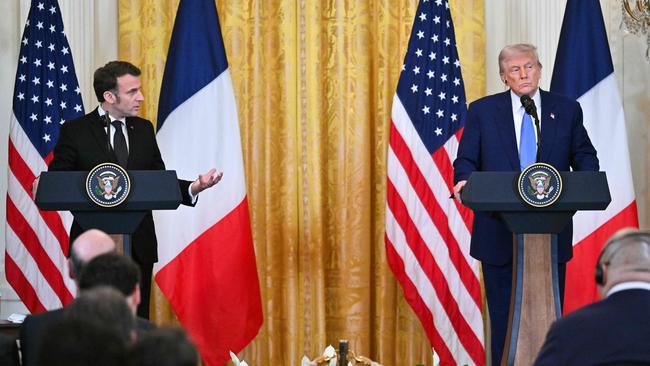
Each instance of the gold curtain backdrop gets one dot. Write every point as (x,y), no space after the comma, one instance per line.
(314,83)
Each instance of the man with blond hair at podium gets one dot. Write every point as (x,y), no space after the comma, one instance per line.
(500,135)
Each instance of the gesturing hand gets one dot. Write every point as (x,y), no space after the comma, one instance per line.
(206,181)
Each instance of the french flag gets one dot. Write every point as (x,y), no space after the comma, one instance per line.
(206,264)
(584,71)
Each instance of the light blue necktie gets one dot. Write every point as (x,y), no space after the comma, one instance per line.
(527,142)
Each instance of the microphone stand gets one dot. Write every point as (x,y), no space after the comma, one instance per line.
(107,122)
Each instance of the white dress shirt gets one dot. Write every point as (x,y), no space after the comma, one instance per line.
(126,136)
(112,128)
(631,285)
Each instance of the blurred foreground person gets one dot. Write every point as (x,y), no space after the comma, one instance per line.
(615,330)
(163,347)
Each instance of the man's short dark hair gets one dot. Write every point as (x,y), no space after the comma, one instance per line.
(113,270)
(106,307)
(73,342)
(105,78)
(163,347)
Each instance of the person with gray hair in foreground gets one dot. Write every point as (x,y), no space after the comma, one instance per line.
(90,244)
(615,330)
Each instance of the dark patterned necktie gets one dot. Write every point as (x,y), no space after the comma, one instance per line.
(119,144)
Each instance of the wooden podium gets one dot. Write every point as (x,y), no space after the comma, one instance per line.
(535,299)
(150,190)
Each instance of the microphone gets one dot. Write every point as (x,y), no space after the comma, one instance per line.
(529,106)
(531,109)
(107,123)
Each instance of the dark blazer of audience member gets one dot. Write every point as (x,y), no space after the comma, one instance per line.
(87,246)
(107,307)
(615,330)
(95,329)
(163,347)
(8,351)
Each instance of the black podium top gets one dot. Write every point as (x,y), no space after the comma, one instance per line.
(496,193)
(150,190)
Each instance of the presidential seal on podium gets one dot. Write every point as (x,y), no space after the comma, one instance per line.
(540,185)
(108,185)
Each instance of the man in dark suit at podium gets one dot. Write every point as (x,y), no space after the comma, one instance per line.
(83,144)
(616,330)
(500,136)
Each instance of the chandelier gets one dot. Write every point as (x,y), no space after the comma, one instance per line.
(636,20)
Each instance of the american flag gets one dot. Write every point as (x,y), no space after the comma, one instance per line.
(428,234)
(46,94)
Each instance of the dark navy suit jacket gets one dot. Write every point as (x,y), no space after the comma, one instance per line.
(35,326)
(614,330)
(489,144)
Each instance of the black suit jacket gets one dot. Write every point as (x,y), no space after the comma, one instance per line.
(82,145)
(32,333)
(614,330)
(8,351)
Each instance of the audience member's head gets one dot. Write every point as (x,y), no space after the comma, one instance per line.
(625,257)
(86,247)
(163,347)
(106,307)
(116,271)
(74,342)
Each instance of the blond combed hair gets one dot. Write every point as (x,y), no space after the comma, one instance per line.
(516,49)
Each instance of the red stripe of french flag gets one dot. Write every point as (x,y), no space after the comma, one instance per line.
(212,317)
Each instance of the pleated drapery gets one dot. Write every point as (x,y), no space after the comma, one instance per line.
(314,82)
